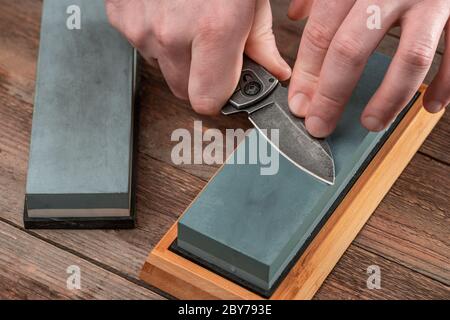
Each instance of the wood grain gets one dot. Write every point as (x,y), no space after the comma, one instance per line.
(398,234)
(411,226)
(34,269)
(395,284)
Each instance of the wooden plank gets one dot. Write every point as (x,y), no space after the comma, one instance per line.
(33,269)
(351,271)
(308,273)
(418,206)
(437,145)
(164,191)
(153,175)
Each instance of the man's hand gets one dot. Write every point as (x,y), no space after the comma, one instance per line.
(199,45)
(336,45)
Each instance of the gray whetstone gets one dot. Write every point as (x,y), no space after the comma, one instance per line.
(251,225)
(81,141)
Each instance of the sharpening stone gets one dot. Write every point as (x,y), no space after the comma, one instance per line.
(80,165)
(249,227)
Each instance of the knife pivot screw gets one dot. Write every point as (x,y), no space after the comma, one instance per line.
(252,88)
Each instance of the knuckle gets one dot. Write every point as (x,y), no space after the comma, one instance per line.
(318,35)
(332,103)
(214,29)
(136,35)
(418,56)
(350,50)
(164,36)
(327,106)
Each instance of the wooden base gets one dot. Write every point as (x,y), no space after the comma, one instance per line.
(185,279)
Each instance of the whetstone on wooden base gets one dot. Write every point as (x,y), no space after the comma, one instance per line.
(250,227)
(186,279)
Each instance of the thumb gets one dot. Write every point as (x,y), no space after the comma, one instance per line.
(261,46)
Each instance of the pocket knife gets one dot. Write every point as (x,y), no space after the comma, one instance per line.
(265,100)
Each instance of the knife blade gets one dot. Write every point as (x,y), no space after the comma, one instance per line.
(266,101)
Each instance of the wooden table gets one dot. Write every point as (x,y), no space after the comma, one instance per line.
(407,236)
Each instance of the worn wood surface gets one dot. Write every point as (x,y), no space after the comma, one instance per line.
(407,236)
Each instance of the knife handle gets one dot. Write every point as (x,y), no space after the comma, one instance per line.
(255,84)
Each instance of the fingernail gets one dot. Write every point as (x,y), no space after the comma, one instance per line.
(317,127)
(299,104)
(434,106)
(373,124)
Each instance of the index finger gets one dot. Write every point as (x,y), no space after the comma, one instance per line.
(216,63)
(316,39)
(343,65)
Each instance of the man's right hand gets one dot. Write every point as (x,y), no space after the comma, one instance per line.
(199,45)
